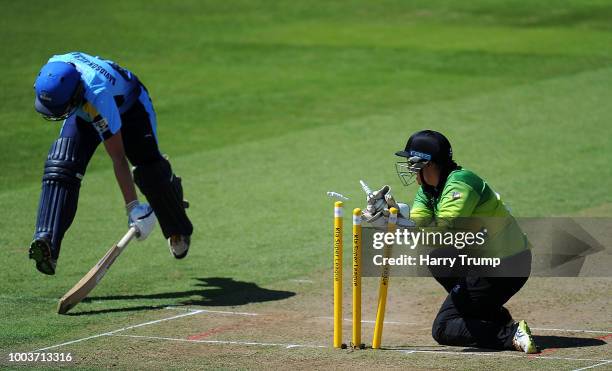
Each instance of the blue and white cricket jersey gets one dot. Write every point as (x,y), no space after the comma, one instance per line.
(110,90)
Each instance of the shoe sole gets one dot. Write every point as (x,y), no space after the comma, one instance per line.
(40,254)
(180,256)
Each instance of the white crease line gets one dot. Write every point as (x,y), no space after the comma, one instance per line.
(216,311)
(588,367)
(119,330)
(568,330)
(370,321)
(192,312)
(302,281)
(69,342)
(497,354)
(156,321)
(224,342)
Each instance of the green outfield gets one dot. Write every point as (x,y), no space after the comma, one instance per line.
(263,107)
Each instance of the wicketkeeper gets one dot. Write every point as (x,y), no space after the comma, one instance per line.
(473,313)
(101,102)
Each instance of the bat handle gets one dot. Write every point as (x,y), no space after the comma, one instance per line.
(131,233)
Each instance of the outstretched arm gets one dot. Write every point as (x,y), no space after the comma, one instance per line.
(140,216)
(114,147)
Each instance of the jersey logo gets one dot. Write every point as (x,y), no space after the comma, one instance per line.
(425,156)
(456,195)
(94,66)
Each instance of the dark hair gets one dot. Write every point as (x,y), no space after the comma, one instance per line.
(445,170)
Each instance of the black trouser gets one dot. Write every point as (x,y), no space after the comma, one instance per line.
(473,313)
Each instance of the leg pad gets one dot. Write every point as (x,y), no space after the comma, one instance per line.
(60,192)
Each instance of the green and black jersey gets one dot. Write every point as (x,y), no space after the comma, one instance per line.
(467,202)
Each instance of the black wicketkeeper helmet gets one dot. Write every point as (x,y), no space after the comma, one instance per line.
(422,147)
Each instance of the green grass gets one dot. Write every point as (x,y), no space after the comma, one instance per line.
(264,106)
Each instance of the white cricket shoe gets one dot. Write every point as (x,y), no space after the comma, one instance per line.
(179,245)
(522,341)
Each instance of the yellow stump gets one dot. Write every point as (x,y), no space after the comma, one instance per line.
(383,287)
(356,279)
(338,274)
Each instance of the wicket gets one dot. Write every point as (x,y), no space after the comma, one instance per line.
(356,343)
(384,286)
(338,230)
(356,283)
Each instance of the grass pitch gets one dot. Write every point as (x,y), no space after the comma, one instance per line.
(262,108)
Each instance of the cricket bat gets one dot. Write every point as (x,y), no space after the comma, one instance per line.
(95,274)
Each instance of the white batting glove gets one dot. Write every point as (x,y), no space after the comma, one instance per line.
(142,217)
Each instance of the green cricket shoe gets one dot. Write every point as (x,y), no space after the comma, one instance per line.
(522,340)
(40,252)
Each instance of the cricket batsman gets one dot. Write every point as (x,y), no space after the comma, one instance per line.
(473,313)
(102,102)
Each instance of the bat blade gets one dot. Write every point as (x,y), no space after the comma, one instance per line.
(80,291)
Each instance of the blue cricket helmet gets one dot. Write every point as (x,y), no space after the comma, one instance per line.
(59,90)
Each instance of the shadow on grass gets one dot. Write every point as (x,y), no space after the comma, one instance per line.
(546,342)
(115,310)
(209,291)
(552,342)
(543,342)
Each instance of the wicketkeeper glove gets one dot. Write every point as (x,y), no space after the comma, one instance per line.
(376,212)
(382,200)
(142,217)
(376,200)
(381,219)
(403,209)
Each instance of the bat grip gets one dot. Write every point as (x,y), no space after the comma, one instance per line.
(131,233)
